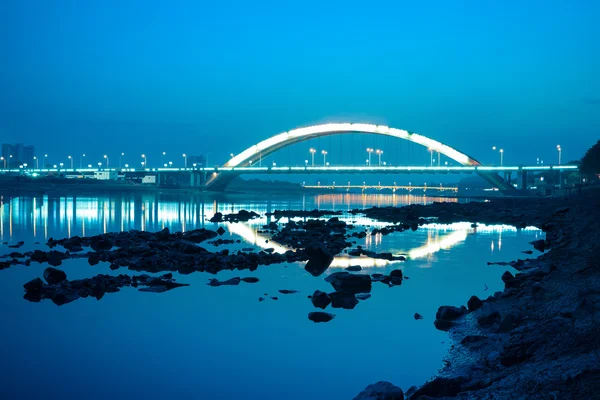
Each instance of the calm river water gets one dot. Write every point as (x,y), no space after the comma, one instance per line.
(203,342)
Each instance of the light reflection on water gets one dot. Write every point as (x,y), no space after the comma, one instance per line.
(211,337)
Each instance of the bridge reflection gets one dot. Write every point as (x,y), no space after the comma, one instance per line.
(46,216)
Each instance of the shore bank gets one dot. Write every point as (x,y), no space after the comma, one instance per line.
(540,337)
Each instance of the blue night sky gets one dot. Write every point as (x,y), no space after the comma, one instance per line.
(197,77)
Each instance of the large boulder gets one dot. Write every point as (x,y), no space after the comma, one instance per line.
(54,276)
(349,283)
(474,303)
(55,258)
(34,285)
(319,259)
(320,299)
(343,300)
(381,391)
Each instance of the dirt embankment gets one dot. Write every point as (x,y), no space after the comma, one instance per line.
(540,337)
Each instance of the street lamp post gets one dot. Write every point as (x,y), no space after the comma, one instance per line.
(312,154)
(369,151)
(379,153)
(161,156)
(501,157)
(493,149)
(559,171)
(3,159)
(324,152)
(45,160)
(145,162)
(431,157)
(81,161)
(106,157)
(184,160)
(37,162)
(559,152)
(71,159)
(121,160)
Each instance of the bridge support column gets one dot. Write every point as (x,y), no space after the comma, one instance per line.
(522,179)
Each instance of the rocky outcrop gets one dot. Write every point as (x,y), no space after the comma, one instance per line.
(381,391)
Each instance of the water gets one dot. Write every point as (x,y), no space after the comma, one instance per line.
(221,342)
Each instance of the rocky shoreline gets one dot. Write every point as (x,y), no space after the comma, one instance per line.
(540,337)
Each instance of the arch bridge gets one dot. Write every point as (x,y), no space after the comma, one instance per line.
(244,161)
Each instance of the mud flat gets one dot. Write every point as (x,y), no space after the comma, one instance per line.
(540,337)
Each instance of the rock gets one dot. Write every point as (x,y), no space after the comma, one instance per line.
(473,339)
(167,276)
(509,280)
(54,276)
(220,231)
(381,391)
(64,297)
(229,282)
(34,285)
(261,299)
(474,303)
(450,313)
(218,217)
(54,258)
(320,299)
(274,298)
(39,256)
(320,316)
(418,316)
(287,291)
(397,273)
(250,279)
(440,387)
(354,268)
(509,323)
(165,234)
(527,252)
(319,259)
(99,243)
(539,245)
(349,283)
(363,296)
(93,259)
(343,300)
(443,325)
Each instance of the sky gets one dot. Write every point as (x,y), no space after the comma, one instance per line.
(148,76)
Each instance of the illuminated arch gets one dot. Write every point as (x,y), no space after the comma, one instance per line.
(282,140)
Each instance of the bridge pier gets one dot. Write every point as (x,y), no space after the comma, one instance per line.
(522,179)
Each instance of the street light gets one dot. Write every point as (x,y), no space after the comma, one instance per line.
(379,153)
(3,159)
(81,160)
(121,159)
(161,156)
(145,162)
(559,152)
(501,157)
(99,165)
(105,156)
(312,154)
(184,160)
(369,151)
(431,156)
(45,159)
(37,162)
(71,159)
(324,152)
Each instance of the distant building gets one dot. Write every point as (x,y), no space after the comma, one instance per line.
(18,154)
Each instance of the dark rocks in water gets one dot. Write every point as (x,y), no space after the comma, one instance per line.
(55,258)
(220,231)
(219,242)
(509,280)
(353,268)
(349,283)
(450,313)
(539,245)
(343,300)
(287,291)
(39,256)
(474,303)
(440,387)
(66,291)
(229,282)
(527,252)
(248,249)
(163,235)
(320,299)
(381,391)
(93,259)
(377,277)
(445,316)
(274,298)
(363,296)
(16,246)
(302,213)
(34,285)
(218,217)
(101,243)
(250,279)
(320,316)
(261,299)
(490,319)
(418,316)
(319,259)
(240,216)
(54,276)
(397,273)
